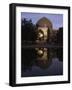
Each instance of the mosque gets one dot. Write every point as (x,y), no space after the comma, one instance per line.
(45,34)
(45,30)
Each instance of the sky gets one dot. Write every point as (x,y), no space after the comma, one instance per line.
(56,19)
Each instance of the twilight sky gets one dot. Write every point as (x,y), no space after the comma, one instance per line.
(56,19)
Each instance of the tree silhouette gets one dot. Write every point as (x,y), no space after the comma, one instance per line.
(60,36)
(27,30)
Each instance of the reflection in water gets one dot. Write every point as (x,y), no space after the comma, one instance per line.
(41,54)
(42,61)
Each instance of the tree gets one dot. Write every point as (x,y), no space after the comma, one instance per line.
(28,30)
(60,36)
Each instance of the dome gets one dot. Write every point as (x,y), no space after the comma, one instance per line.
(44,22)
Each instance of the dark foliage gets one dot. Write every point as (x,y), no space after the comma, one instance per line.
(28,30)
(60,36)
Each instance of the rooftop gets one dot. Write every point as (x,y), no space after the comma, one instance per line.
(44,22)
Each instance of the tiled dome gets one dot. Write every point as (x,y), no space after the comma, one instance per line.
(44,22)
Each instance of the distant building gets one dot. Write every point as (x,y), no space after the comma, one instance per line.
(44,27)
(45,30)
(45,34)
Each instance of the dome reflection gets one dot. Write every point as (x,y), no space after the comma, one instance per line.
(43,60)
